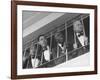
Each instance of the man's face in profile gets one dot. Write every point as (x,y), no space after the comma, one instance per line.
(78,27)
(42,41)
(59,37)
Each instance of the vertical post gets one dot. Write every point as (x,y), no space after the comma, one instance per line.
(27,63)
(57,51)
(75,42)
(58,46)
(66,52)
(83,30)
(41,59)
(75,38)
(24,52)
(28,59)
(50,44)
(83,26)
(36,54)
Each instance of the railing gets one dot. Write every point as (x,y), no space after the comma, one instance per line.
(72,54)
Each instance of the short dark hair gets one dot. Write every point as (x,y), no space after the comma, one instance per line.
(40,36)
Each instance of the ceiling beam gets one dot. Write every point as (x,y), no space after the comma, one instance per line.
(41,23)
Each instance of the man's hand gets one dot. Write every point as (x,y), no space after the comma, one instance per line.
(75,46)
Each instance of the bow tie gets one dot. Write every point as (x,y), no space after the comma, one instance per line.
(45,48)
(80,34)
(33,56)
(62,45)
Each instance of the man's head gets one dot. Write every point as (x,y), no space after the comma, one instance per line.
(42,41)
(59,37)
(33,49)
(77,25)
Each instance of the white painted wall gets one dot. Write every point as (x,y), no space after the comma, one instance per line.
(5,43)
